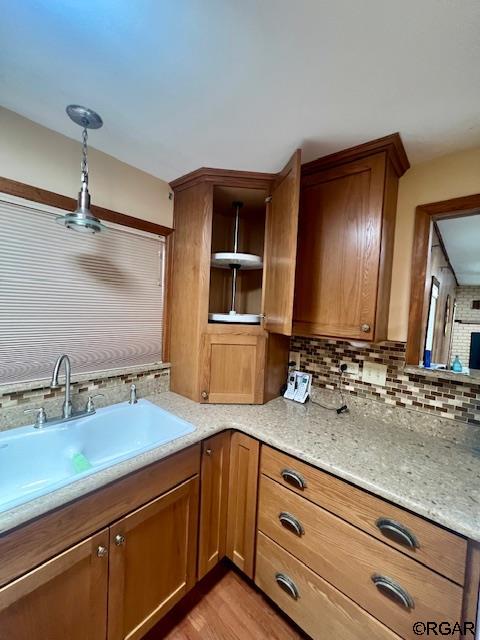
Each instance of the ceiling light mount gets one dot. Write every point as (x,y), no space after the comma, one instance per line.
(84,117)
(82,219)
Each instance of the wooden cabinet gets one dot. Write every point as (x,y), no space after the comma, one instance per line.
(345,241)
(233,365)
(215,362)
(371,568)
(65,597)
(152,561)
(441,550)
(242,501)
(142,561)
(391,586)
(213,501)
(281,249)
(314,604)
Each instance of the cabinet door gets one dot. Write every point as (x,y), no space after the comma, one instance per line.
(233,368)
(65,597)
(213,501)
(152,561)
(339,248)
(242,501)
(281,248)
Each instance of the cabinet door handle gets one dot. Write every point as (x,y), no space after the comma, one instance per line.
(204,395)
(291,523)
(288,585)
(101,551)
(393,590)
(119,539)
(208,452)
(294,478)
(397,532)
(365,327)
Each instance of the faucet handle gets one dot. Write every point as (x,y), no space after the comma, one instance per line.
(133,394)
(90,407)
(41,418)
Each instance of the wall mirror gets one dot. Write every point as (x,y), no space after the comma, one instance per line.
(444,320)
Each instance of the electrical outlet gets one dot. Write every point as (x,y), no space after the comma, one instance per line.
(353,368)
(294,356)
(375,373)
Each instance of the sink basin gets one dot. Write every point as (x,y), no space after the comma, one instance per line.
(34,462)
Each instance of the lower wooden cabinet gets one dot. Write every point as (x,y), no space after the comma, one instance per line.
(314,604)
(213,501)
(65,597)
(233,365)
(129,574)
(152,561)
(242,501)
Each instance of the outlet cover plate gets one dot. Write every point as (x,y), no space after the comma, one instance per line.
(374,373)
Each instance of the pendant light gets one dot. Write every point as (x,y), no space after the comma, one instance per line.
(82,219)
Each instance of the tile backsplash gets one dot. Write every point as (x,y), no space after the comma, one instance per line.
(114,385)
(450,398)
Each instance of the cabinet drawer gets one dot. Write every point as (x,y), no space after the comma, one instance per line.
(437,548)
(317,607)
(351,560)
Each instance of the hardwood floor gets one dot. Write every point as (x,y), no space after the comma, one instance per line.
(225,606)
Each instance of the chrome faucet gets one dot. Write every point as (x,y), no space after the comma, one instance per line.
(67,411)
(67,405)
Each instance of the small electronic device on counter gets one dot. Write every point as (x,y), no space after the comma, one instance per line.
(299,385)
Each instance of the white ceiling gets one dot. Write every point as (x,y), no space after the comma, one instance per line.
(461,237)
(241,83)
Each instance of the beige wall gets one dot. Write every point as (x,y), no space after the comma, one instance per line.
(43,158)
(451,176)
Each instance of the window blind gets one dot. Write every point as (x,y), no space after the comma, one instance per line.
(98,298)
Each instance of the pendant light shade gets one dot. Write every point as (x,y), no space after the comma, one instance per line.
(82,219)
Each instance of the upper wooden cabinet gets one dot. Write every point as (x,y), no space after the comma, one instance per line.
(227,362)
(281,249)
(233,365)
(345,241)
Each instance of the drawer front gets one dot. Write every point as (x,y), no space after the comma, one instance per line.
(437,548)
(317,607)
(351,560)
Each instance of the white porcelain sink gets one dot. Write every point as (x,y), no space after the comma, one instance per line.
(34,462)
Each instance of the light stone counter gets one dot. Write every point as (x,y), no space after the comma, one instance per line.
(426,464)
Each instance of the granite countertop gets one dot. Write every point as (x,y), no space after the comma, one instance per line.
(426,464)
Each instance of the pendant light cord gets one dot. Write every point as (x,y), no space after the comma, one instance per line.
(84,164)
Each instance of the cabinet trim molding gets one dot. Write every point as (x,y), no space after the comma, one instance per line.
(392,145)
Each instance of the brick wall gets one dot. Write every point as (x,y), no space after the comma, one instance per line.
(464,312)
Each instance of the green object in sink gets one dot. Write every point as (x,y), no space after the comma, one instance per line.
(81,463)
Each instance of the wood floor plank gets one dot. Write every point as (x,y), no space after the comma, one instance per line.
(225,606)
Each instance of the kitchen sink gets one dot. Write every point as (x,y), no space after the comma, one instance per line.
(34,462)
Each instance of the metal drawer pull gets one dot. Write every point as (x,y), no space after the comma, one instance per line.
(397,532)
(292,477)
(290,522)
(393,590)
(101,551)
(288,585)
(119,539)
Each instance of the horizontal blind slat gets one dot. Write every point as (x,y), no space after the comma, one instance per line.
(96,297)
